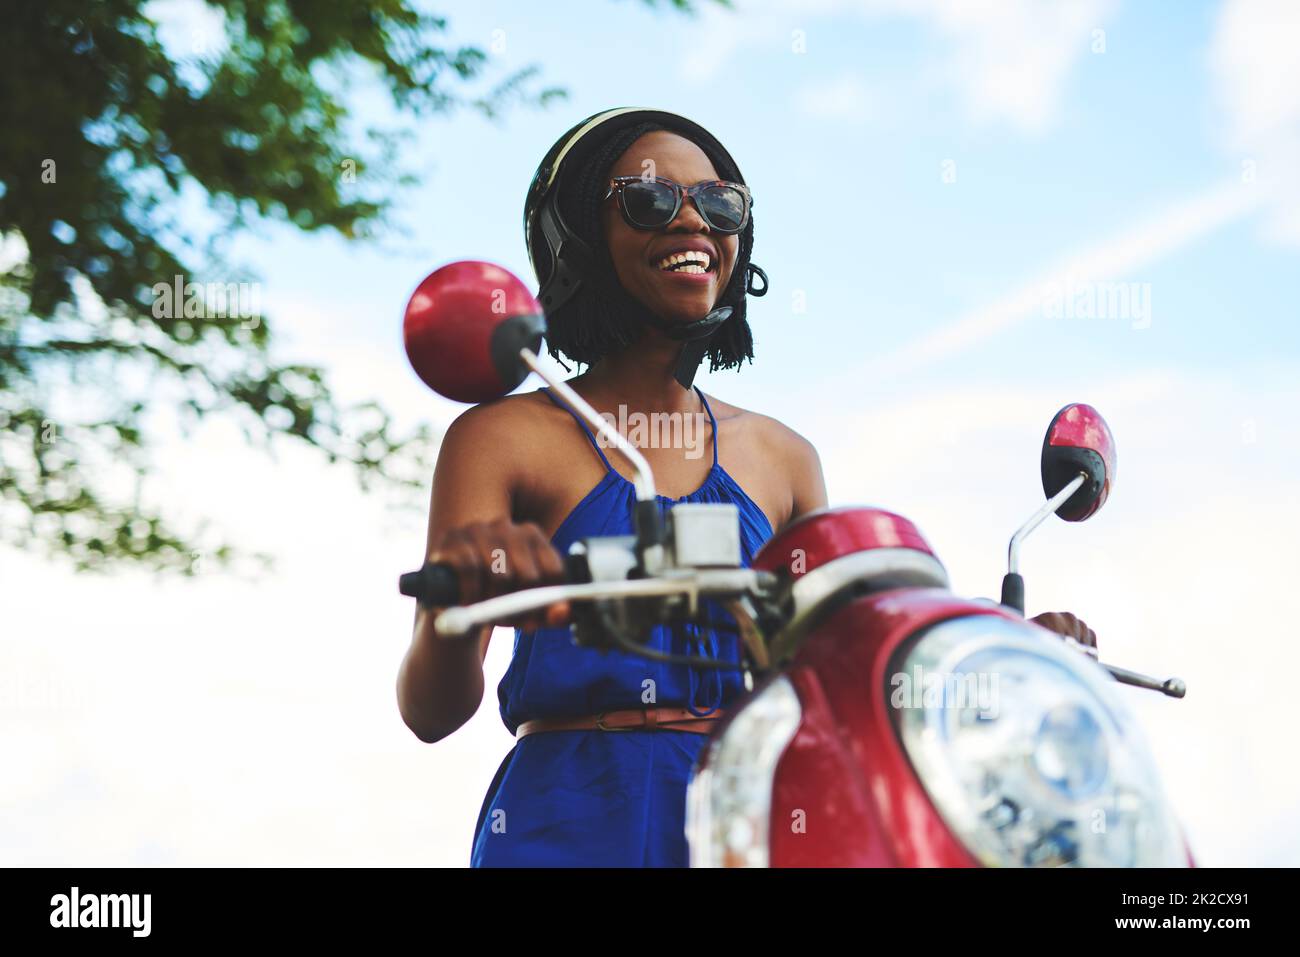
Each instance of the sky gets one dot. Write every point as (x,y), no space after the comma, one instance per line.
(941,190)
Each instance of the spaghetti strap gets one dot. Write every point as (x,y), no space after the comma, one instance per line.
(713,424)
(586,428)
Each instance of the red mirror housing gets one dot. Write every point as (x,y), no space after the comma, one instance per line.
(1079,440)
(464,327)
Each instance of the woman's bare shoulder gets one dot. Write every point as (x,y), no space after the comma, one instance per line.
(507,427)
(780,464)
(770,433)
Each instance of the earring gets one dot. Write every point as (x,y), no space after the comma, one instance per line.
(750,272)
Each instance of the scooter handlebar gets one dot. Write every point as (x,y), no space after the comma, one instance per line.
(699,583)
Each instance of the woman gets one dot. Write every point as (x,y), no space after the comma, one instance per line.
(642,277)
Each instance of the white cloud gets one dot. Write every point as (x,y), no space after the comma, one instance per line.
(1008,60)
(1005,60)
(1257,71)
(844,98)
(1254,57)
(1109,261)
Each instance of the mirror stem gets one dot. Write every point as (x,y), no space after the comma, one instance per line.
(1050,506)
(649,522)
(1013,586)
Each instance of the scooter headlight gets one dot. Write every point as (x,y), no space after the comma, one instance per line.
(1028,752)
(729,799)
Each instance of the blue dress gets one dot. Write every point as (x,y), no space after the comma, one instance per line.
(607,798)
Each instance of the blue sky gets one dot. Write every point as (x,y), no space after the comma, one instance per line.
(844,146)
(924,369)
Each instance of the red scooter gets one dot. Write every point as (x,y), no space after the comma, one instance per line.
(891,722)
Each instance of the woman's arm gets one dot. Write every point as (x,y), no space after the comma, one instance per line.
(791,462)
(808,485)
(440,682)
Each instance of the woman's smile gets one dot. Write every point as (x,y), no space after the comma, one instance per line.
(694,260)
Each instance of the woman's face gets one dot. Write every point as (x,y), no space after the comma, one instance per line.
(638,254)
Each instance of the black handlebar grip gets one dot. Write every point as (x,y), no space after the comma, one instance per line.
(1013,592)
(433,586)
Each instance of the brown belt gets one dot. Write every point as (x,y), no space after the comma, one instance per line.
(633,719)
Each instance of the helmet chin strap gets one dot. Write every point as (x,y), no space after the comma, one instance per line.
(700,328)
(694,337)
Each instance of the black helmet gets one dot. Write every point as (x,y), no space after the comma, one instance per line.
(566,263)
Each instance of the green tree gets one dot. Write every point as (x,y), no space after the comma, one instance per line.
(105,131)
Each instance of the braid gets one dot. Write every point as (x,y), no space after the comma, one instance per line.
(603,318)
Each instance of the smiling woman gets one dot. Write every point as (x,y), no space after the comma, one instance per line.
(638,224)
(642,277)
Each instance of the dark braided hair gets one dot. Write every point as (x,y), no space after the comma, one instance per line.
(604,318)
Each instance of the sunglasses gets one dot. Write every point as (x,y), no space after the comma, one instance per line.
(654,203)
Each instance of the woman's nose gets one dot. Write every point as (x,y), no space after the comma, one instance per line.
(688,219)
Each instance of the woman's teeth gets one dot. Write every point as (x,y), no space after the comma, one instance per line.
(691,261)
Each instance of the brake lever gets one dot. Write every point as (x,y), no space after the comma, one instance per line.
(1172,687)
